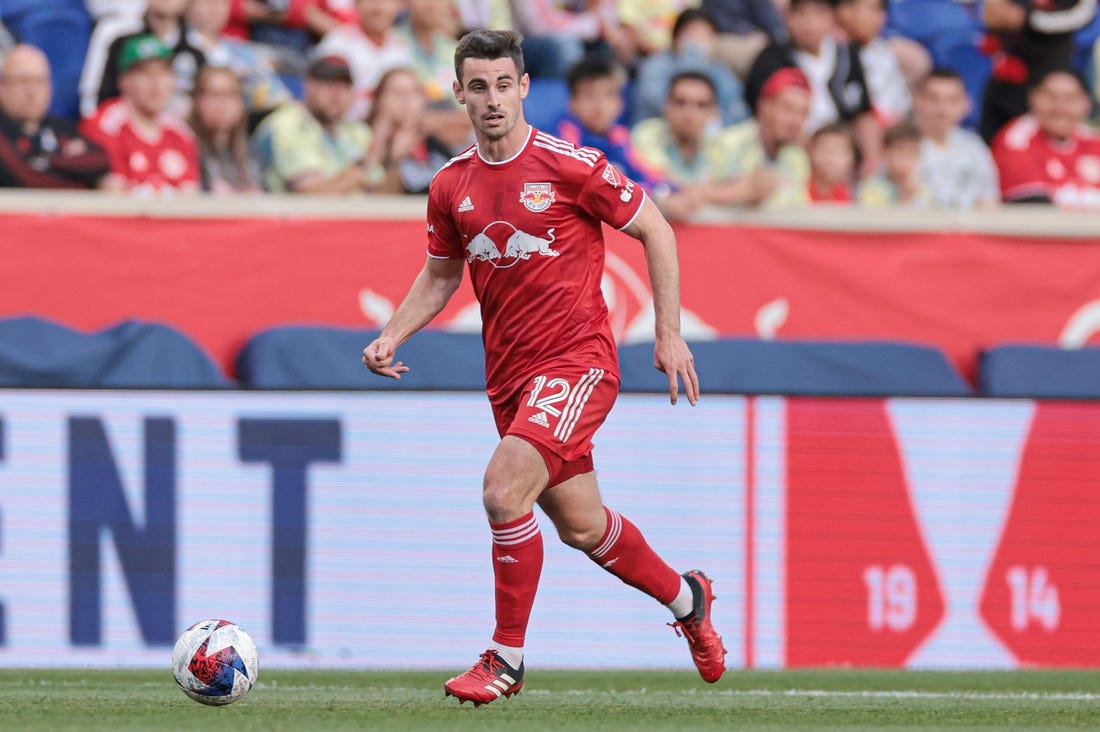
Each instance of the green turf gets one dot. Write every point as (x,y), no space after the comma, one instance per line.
(561,701)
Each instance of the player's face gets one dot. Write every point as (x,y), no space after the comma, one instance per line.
(940,105)
(493,94)
(148,86)
(1059,105)
(783,116)
(690,107)
(329,101)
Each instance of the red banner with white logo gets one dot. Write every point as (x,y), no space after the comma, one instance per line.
(221,281)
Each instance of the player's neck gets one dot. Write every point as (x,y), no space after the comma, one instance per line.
(504,148)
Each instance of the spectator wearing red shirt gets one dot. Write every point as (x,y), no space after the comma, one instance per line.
(150,150)
(833,163)
(1049,155)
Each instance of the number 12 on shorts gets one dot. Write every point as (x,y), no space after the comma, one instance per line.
(563,400)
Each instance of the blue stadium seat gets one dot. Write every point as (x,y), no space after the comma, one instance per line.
(1040,372)
(932,22)
(304,357)
(38,353)
(748,366)
(974,67)
(546,102)
(61,28)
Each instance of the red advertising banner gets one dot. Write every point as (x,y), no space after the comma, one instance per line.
(221,281)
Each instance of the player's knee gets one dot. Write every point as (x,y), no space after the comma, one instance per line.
(504,500)
(583,538)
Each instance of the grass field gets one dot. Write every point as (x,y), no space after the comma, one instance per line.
(560,700)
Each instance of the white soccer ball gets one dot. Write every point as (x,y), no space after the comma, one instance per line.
(215,662)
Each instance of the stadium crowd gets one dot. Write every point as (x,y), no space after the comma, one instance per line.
(735,103)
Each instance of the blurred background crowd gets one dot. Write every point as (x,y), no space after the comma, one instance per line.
(730,103)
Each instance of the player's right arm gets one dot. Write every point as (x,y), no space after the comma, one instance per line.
(430,292)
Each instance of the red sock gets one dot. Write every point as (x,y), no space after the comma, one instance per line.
(623,552)
(517,564)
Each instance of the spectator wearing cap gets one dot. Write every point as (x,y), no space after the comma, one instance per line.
(312,146)
(38,150)
(834,70)
(770,166)
(371,46)
(163,19)
(151,150)
(1050,155)
(694,39)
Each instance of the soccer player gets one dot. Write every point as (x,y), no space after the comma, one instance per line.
(524,210)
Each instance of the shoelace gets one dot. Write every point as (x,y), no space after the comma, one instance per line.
(688,627)
(488,665)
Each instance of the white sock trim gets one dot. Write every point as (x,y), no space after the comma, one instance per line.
(684,602)
(511,655)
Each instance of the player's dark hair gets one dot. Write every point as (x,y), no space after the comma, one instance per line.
(489,45)
(689,16)
(591,68)
(693,75)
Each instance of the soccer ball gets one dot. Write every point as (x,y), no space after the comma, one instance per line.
(215,662)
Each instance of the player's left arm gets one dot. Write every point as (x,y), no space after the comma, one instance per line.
(670,352)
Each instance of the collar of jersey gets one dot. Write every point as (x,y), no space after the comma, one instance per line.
(530,132)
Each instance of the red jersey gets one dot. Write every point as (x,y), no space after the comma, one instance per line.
(169,162)
(1033,166)
(530,229)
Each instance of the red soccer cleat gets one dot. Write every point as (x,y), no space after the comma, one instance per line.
(706,645)
(489,679)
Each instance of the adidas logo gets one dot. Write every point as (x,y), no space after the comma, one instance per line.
(609,564)
(540,419)
(508,559)
(466,205)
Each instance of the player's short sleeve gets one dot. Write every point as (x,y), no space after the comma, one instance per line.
(610,196)
(443,239)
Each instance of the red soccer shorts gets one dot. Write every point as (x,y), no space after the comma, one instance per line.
(558,412)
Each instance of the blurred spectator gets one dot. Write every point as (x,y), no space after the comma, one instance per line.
(686,147)
(401,145)
(955,164)
(771,167)
(371,46)
(745,28)
(650,22)
(558,33)
(694,36)
(834,70)
(38,150)
(60,29)
(263,89)
(313,147)
(595,105)
(1049,155)
(104,9)
(289,27)
(480,14)
(862,22)
(833,156)
(899,182)
(151,150)
(1027,39)
(220,124)
(433,53)
(163,19)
